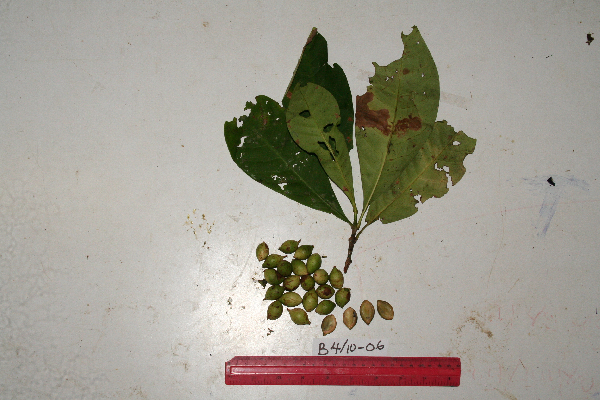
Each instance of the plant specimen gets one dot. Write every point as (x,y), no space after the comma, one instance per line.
(301,145)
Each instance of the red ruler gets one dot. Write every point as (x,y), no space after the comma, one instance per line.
(343,370)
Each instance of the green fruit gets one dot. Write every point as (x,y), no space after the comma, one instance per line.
(342,297)
(310,300)
(284,267)
(367,311)
(275,310)
(336,278)
(303,252)
(307,282)
(313,263)
(290,299)
(321,276)
(289,246)
(299,267)
(350,317)
(272,260)
(328,325)
(274,292)
(299,316)
(273,277)
(262,251)
(291,283)
(325,291)
(385,309)
(325,307)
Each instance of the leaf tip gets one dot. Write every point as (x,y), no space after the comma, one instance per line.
(313,33)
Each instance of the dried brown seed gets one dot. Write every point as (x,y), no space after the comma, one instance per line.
(367,311)
(350,317)
(328,325)
(385,309)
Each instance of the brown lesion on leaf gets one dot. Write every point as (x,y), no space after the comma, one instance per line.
(367,118)
(409,123)
(405,71)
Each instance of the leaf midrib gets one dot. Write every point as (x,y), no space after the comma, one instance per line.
(287,163)
(449,143)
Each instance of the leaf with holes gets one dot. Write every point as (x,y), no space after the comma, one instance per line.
(313,67)
(313,119)
(395,125)
(263,148)
(425,175)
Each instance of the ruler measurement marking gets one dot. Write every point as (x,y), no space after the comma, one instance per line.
(343,370)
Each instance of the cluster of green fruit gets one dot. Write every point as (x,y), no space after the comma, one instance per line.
(304,270)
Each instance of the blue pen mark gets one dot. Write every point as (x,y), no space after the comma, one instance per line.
(553,188)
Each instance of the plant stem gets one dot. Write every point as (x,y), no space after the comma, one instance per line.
(351,241)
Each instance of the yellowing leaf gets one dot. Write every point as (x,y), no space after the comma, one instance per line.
(395,116)
(425,175)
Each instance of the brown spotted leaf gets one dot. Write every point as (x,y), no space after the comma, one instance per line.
(395,117)
(425,175)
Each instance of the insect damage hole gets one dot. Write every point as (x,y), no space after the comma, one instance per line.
(305,114)
(327,128)
(242,141)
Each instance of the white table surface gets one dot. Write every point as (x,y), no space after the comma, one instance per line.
(127,232)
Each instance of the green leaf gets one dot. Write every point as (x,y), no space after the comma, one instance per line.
(313,67)
(313,118)
(395,116)
(263,148)
(425,175)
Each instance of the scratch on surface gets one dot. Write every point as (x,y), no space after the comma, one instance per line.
(506,394)
(553,188)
